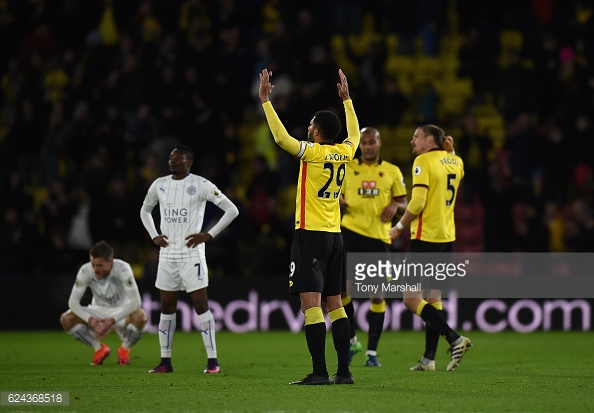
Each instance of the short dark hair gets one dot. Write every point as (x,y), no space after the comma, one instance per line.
(186,150)
(102,250)
(437,133)
(328,124)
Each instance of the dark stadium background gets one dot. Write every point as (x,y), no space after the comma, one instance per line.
(95,94)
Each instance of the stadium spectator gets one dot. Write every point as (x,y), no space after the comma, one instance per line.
(317,252)
(115,305)
(182,198)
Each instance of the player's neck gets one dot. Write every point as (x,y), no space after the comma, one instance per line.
(370,162)
(177,177)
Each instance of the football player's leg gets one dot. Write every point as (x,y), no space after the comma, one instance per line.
(349,308)
(135,328)
(207,328)
(375,317)
(77,328)
(340,336)
(315,331)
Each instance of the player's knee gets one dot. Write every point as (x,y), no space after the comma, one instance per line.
(201,308)
(66,320)
(139,318)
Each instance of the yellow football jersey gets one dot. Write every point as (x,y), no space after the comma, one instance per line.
(441,173)
(321,176)
(368,189)
(321,172)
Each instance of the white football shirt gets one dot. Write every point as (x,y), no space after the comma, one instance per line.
(117,290)
(182,203)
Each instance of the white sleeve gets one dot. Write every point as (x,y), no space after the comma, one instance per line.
(146,217)
(77,293)
(231,212)
(134,302)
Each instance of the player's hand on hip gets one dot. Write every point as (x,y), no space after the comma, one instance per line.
(196,239)
(161,240)
(265,85)
(343,86)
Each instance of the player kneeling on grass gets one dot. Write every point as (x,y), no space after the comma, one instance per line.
(115,305)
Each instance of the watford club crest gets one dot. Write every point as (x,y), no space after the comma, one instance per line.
(368,189)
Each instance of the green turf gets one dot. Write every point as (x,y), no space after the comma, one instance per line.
(505,372)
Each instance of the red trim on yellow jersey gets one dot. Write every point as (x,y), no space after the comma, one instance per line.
(303,186)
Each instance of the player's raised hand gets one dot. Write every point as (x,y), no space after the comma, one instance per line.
(448,144)
(343,86)
(265,85)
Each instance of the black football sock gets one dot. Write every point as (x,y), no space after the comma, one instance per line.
(315,335)
(340,336)
(433,318)
(349,309)
(376,325)
(431,340)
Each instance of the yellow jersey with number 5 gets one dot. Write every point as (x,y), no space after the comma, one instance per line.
(440,172)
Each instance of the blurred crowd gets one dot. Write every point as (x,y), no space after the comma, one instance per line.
(96,93)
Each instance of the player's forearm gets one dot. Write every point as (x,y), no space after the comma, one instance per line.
(407,218)
(280,134)
(74,303)
(352,123)
(400,203)
(147,221)
(231,212)
(132,304)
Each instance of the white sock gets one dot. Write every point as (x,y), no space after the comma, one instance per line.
(166,329)
(207,328)
(425,360)
(371,353)
(133,334)
(85,335)
(354,340)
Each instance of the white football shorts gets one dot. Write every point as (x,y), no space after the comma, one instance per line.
(182,276)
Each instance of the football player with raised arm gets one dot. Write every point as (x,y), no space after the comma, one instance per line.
(316,271)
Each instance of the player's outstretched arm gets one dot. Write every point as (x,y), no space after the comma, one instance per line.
(281,136)
(352,122)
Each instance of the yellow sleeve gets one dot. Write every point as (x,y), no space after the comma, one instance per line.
(281,136)
(354,135)
(418,199)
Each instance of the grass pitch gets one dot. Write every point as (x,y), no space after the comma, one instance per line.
(504,372)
